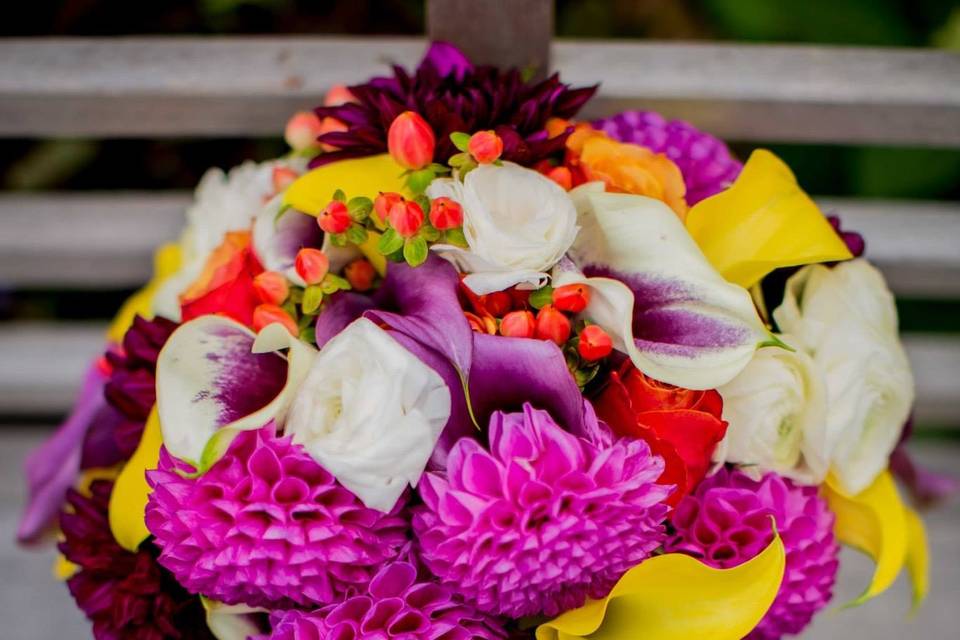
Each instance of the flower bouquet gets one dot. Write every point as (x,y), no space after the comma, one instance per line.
(460,366)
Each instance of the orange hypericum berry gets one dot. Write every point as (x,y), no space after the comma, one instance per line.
(384,202)
(312,265)
(595,343)
(445,213)
(302,131)
(266,314)
(283,177)
(360,274)
(335,217)
(481,324)
(338,95)
(410,141)
(271,287)
(553,325)
(572,298)
(406,218)
(562,176)
(329,125)
(498,303)
(485,146)
(518,324)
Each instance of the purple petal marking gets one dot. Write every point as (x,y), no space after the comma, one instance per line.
(446,59)
(661,324)
(294,231)
(426,308)
(343,308)
(52,468)
(245,382)
(508,372)
(459,425)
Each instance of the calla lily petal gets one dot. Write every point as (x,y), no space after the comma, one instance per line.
(762,222)
(873,521)
(277,237)
(230,622)
(918,556)
(128,500)
(655,293)
(216,377)
(313,191)
(677,596)
(166,262)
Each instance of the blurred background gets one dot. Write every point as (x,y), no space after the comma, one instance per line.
(33,606)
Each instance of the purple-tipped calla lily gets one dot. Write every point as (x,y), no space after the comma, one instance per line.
(654,292)
(278,236)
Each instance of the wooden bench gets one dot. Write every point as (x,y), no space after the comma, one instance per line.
(210,87)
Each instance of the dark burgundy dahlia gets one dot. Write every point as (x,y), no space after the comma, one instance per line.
(454,95)
(125,595)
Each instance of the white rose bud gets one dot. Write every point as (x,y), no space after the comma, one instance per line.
(370,412)
(776,409)
(846,317)
(517,223)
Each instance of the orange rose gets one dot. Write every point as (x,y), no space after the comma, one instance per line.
(627,168)
(226,284)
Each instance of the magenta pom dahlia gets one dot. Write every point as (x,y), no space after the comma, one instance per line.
(396,605)
(543,519)
(267,526)
(125,595)
(705,162)
(726,521)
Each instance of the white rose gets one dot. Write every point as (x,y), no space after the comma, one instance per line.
(370,412)
(517,222)
(776,411)
(846,317)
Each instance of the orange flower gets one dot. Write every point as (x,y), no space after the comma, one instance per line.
(226,285)
(627,168)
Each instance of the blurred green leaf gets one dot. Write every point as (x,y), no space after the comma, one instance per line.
(905,173)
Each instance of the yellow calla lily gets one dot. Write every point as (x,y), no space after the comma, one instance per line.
(63,569)
(762,222)
(129,498)
(166,262)
(874,522)
(918,556)
(311,192)
(677,596)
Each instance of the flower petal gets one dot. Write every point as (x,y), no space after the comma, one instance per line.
(874,522)
(166,262)
(356,177)
(230,622)
(918,556)
(676,596)
(215,375)
(656,294)
(277,237)
(763,222)
(128,500)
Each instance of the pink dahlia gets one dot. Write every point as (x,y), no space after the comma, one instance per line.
(705,161)
(267,526)
(543,519)
(396,605)
(726,521)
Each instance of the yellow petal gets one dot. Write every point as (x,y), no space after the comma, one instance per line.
(762,222)
(918,556)
(313,191)
(371,253)
(874,522)
(63,569)
(166,261)
(129,498)
(676,596)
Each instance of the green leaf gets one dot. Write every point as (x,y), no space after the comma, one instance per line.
(360,208)
(357,234)
(419,180)
(390,242)
(296,295)
(455,237)
(429,232)
(541,297)
(415,251)
(458,159)
(312,298)
(438,169)
(282,210)
(309,334)
(460,140)
(332,283)
(338,239)
(339,195)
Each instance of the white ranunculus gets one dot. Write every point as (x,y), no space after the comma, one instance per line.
(776,409)
(517,222)
(846,317)
(370,412)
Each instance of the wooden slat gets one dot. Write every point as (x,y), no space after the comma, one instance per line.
(105,239)
(249,86)
(43,364)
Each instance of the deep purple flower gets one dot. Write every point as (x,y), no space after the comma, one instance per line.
(396,605)
(706,163)
(727,521)
(543,519)
(125,595)
(854,241)
(453,95)
(267,526)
